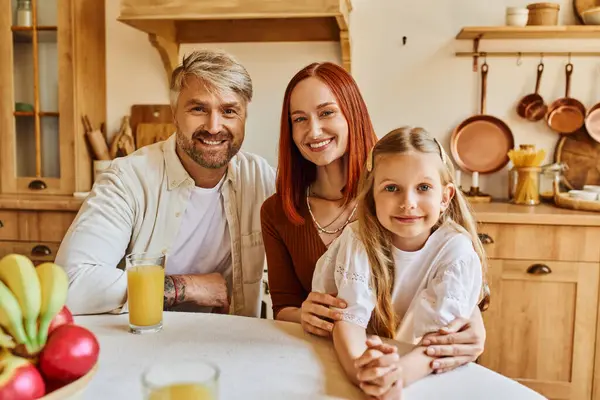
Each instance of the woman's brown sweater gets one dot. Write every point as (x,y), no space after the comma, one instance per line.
(292,253)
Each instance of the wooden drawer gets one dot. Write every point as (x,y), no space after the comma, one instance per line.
(541,325)
(44,226)
(541,242)
(37,252)
(9,225)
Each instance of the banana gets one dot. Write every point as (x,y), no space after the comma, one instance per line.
(11,317)
(18,274)
(6,341)
(54,287)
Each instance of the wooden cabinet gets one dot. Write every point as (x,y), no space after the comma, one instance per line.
(35,227)
(542,320)
(52,73)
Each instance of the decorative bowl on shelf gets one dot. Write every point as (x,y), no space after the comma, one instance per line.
(591,16)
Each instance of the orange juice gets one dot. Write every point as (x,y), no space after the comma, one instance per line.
(145,292)
(183,391)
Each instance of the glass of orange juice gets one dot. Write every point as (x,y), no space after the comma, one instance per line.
(145,291)
(182,380)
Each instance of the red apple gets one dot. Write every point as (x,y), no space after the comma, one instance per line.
(63,317)
(19,379)
(70,352)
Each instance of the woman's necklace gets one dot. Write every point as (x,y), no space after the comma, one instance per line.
(319,227)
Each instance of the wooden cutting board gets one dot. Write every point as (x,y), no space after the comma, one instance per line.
(156,120)
(580,6)
(582,155)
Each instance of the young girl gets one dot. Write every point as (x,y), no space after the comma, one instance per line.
(408,266)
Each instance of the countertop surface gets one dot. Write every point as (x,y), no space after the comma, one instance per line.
(35,202)
(494,212)
(259,359)
(542,214)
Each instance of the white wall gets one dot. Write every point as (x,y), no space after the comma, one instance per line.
(422,83)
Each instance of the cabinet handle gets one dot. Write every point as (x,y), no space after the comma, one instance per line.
(539,269)
(37,185)
(41,251)
(485,238)
(1,224)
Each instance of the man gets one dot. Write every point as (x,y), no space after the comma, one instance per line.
(194,197)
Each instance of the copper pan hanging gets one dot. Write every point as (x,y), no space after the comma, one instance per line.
(532,106)
(481,142)
(566,115)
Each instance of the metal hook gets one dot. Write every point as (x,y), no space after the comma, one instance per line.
(519,59)
(484,54)
(569,58)
(541,58)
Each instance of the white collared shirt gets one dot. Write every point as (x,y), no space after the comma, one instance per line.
(137,205)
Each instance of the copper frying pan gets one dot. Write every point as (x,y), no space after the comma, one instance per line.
(566,115)
(592,122)
(532,106)
(481,142)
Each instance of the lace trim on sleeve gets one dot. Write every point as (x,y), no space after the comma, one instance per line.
(352,276)
(355,320)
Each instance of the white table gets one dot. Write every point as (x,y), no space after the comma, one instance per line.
(259,359)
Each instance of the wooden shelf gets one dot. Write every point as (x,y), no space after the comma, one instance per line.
(169,23)
(530,32)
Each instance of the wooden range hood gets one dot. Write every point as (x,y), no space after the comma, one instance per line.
(169,23)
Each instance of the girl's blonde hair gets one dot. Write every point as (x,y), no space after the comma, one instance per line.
(378,240)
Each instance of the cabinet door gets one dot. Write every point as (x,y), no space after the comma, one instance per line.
(541,325)
(51,75)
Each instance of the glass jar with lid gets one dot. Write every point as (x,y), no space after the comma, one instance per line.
(24,17)
(551,174)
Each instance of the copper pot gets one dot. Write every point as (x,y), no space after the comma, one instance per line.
(566,115)
(532,106)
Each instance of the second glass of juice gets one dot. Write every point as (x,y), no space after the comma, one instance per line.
(145,291)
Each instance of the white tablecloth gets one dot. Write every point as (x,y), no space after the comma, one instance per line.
(259,359)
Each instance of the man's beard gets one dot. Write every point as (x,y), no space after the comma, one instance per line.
(212,159)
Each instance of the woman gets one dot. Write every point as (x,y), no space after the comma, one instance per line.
(326,135)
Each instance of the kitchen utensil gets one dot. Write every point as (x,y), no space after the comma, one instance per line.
(516,16)
(150,113)
(123,143)
(582,155)
(579,6)
(591,16)
(148,133)
(566,115)
(543,14)
(481,142)
(583,195)
(96,140)
(532,106)
(592,122)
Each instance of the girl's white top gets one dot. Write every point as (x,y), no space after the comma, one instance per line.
(432,286)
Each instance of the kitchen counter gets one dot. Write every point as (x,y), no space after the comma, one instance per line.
(542,214)
(260,359)
(40,202)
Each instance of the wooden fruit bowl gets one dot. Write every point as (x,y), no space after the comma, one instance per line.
(73,390)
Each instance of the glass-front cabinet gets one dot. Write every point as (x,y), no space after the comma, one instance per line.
(52,74)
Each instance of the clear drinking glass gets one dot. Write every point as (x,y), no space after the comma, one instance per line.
(182,380)
(145,291)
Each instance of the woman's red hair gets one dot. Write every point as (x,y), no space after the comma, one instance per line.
(295,173)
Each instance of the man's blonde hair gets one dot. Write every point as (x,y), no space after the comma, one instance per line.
(218,70)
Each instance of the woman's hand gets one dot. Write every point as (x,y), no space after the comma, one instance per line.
(315,315)
(461,342)
(379,371)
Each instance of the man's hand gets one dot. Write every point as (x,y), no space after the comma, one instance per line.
(315,315)
(461,342)
(379,371)
(209,290)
